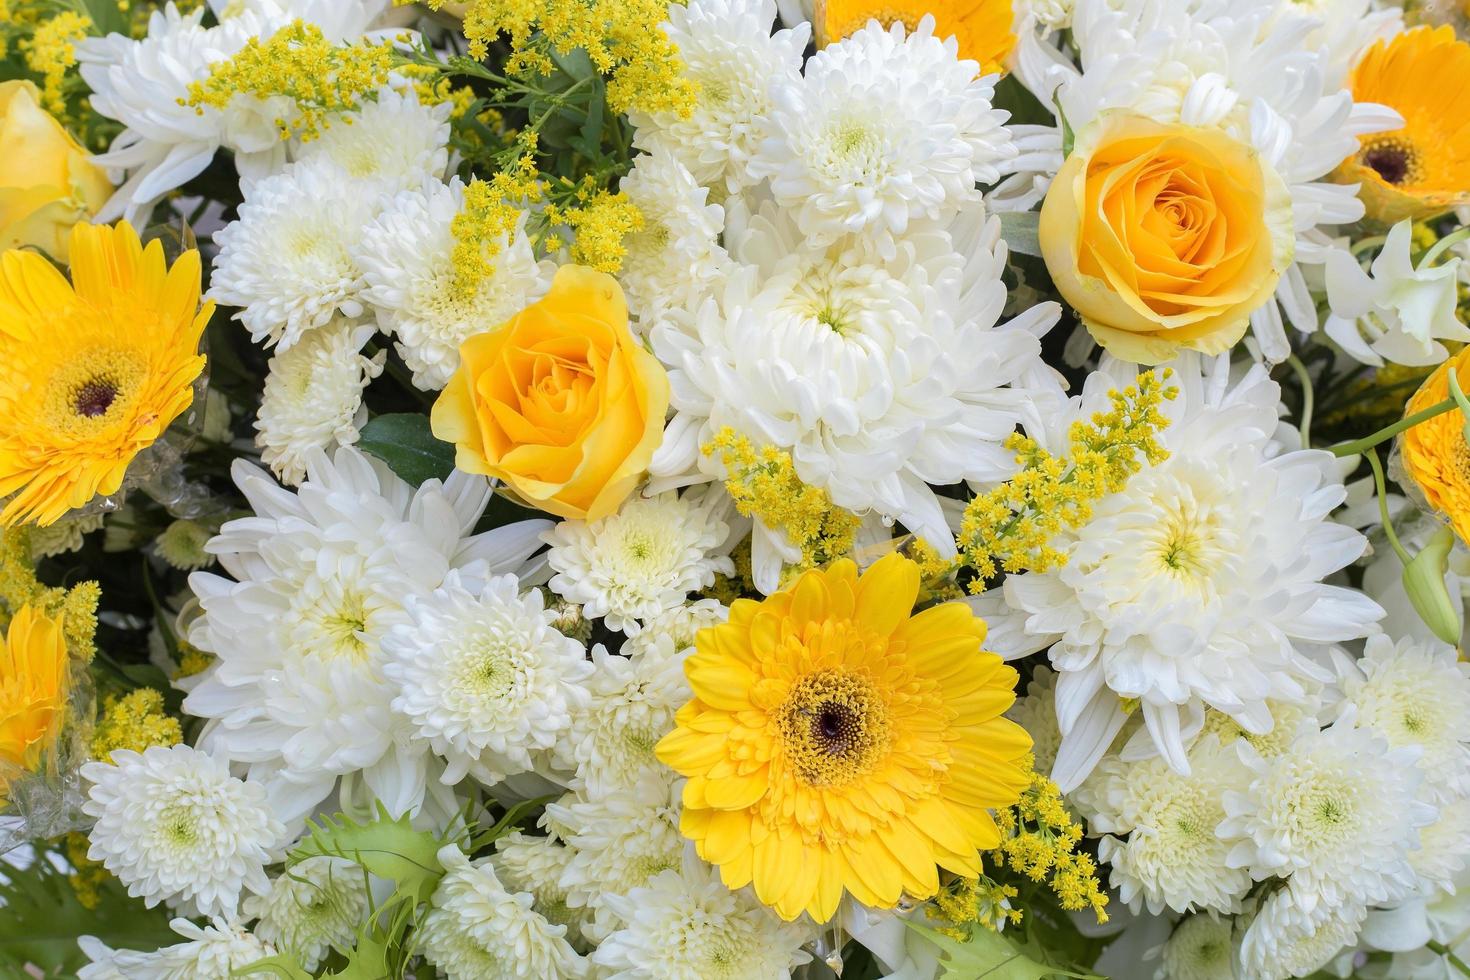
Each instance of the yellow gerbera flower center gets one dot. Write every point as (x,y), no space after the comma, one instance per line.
(834,727)
(1393,158)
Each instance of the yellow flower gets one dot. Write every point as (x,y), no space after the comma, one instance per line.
(92,371)
(1434,453)
(46,183)
(34,681)
(1165,236)
(561,402)
(837,742)
(1424,168)
(982,27)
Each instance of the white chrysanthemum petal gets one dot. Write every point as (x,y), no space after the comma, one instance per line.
(680,625)
(484,677)
(172,823)
(1201,947)
(215,950)
(392,143)
(536,865)
(313,397)
(642,561)
(1036,711)
(632,705)
(311,907)
(406,259)
(1444,849)
(1290,938)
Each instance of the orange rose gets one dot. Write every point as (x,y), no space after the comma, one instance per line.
(561,403)
(47,183)
(1165,236)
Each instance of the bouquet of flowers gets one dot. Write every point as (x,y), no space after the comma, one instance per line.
(734,489)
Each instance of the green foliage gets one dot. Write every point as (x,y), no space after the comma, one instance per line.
(41,919)
(386,847)
(404,442)
(989,955)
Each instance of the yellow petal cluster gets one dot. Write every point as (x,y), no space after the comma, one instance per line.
(982,28)
(35,677)
(839,743)
(1434,454)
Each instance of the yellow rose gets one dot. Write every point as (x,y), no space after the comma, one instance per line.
(47,183)
(35,677)
(1165,236)
(561,402)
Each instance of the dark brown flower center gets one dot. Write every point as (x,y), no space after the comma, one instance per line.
(95,397)
(1393,159)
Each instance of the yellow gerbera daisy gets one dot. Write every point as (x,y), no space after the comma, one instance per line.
(1424,168)
(34,681)
(92,371)
(982,27)
(835,741)
(1434,453)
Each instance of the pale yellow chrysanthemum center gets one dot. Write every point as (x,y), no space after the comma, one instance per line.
(1188,546)
(833,727)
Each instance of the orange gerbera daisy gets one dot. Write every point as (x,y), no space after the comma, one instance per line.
(34,680)
(836,741)
(91,371)
(982,27)
(1424,168)
(1434,454)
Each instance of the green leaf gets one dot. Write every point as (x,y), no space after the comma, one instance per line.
(1022,231)
(388,848)
(404,442)
(509,822)
(41,920)
(281,966)
(989,955)
(1424,585)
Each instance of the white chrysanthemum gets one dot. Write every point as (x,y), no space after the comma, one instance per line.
(182,545)
(1201,947)
(1287,721)
(172,823)
(1050,15)
(729,52)
(881,378)
(1416,694)
(1172,857)
(619,841)
(674,259)
(209,952)
(476,929)
(405,255)
(313,906)
(1444,849)
(632,705)
(144,85)
(680,625)
(287,259)
(484,677)
(885,129)
(1290,938)
(393,143)
(688,924)
(1214,64)
(642,561)
(1337,813)
(536,865)
(1199,584)
(297,690)
(64,536)
(1036,711)
(313,397)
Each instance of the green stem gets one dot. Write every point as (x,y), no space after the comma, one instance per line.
(1382,491)
(1307,397)
(1450,957)
(1408,422)
(1442,245)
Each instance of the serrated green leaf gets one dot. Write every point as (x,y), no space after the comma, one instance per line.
(386,847)
(404,442)
(989,955)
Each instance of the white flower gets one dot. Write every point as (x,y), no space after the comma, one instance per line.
(476,929)
(1337,813)
(393,143)
(674,259)
(405,255)
(885,128)
(1036,711)
(1172,857)
(1199,948)
(1288,938)
(297,691)
(688,924)
(1051,15)
(681,625)
(1400,312)
(172,823)
(536,865)
(619,841)
(879,377)
(1288,720)
(484,677)
(313,397)
(209,952)
(1444,849)
(642,561)
(632,706)
(64,536)
(287,259)
(313,906)
(1199,583)
(1415,693)
(729,52)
